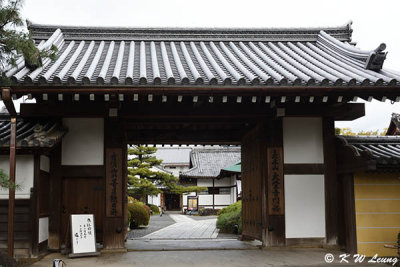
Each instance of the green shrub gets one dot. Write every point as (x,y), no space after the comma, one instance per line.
(139,215)
(147,208)
(154,208)
(207,212)
(229,217)
(231,208)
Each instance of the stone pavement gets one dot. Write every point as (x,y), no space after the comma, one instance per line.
(189,244)
(157,222)
(271,257)
(186,228)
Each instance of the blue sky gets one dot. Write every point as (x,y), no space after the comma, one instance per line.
(374,22)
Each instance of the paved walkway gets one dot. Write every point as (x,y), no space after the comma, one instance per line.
(186,228)
(279,257)
(157,222)
(189,244)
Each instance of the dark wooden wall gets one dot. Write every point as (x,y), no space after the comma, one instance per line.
(258,220)
(253,187)
(22,226)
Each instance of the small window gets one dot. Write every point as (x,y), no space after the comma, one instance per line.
(213,190)
(225,190)
(205,192)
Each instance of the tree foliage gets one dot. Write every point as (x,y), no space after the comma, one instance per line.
(144,180)
(5,181)
(14,42)
(349,131)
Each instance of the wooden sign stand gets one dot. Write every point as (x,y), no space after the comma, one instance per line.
(83,236)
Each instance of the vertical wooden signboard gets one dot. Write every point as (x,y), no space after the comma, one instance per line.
(114,182)
(275,181)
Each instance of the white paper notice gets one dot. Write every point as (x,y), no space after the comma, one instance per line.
(83,233)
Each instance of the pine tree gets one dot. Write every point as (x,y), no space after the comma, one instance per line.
(5,181)
(143,181)
(15,43)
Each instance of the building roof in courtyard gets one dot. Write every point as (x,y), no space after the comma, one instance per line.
(152,57)
(385,150)
(208,162)
(173,155)
(32,133)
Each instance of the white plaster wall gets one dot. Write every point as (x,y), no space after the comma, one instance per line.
(205,200)
(223,182)
(84,142)
(223,200)
(43,229)
(205,182)
(304,206)
(45,163)
(239,186)
(155,200)
(23,175)
(233,195)
(302,140)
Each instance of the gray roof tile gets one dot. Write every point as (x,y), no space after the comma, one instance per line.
(188,57)
(208,162)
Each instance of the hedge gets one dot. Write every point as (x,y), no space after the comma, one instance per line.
(154,209)
(138,214)
(229,218)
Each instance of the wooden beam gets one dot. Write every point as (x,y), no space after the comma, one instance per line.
(11,197)
(8,102)
(211,90)
(304,168)
(189,110)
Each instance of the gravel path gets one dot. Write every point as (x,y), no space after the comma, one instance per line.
(156,223)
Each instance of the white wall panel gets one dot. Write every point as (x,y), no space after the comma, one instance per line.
(23,176)
(43,229)
(205,200)
(155,200)
(84,142)
(302,140)
(223,200)
(223,182)
(304,206)
(204,182)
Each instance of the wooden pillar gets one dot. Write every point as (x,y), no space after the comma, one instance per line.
(55,194)
(347,212)
(35,206)
(116,218)
(263,212)
(11,197)
(331,182)
(275,184)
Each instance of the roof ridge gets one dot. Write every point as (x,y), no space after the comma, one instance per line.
(41,31)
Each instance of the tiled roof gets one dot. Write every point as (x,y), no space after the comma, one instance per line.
(384,149)
(208,162)
(32,133)
(173,155)
(195,57)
